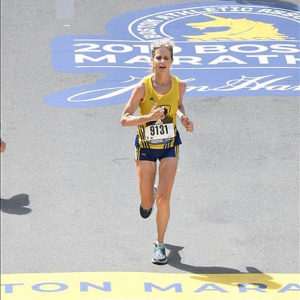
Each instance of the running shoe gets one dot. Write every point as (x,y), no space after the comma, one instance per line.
(159,256)
(145,213)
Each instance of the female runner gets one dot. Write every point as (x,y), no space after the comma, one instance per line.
(159,98)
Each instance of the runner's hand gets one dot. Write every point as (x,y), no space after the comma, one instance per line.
(2,146)
(189,126)
(156,113)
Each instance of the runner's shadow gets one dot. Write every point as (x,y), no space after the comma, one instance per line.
(214,274)
(16,205)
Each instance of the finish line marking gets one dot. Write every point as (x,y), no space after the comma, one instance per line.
(154,286)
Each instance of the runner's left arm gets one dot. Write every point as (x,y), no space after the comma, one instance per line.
(187,124)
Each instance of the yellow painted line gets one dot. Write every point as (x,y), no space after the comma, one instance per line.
(144,286)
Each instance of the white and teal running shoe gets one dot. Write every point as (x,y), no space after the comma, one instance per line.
(159,256)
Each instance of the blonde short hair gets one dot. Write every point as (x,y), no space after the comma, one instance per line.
(162,43)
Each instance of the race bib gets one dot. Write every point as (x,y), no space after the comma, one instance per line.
(159,132)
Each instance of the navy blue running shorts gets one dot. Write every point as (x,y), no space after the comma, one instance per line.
(155,154)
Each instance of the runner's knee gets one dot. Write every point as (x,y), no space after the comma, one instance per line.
(163,203)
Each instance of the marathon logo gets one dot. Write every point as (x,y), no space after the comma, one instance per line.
(150,27)
(101,54)
(221,50)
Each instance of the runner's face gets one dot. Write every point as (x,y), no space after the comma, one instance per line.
(161,62)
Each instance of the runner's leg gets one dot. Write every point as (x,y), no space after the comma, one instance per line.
(167,172)
(146,171)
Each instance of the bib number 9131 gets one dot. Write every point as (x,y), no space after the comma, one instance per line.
(159,132)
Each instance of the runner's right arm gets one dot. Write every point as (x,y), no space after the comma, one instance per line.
(128,118)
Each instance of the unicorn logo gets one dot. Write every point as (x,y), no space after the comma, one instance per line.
(239,29)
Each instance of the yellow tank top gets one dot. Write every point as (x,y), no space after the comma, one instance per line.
(160,134)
